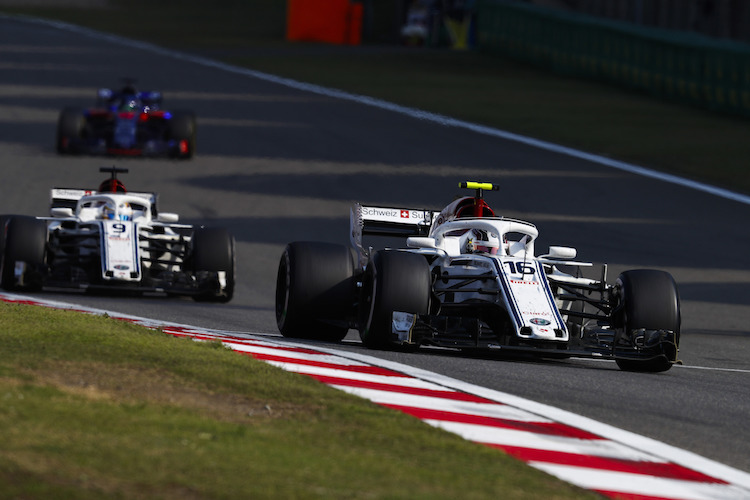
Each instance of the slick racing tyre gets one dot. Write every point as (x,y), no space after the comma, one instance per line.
(3,221)
(315,291)
(212,258)
(393,281)
(649,300)
(25,242)
(182,130)
(70,127)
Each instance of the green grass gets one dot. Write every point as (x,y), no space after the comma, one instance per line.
(97,408)
(481,88)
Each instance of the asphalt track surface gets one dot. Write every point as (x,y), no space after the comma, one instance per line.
(277,164)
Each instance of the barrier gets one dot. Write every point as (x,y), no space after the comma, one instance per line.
(329,21)
(679,66)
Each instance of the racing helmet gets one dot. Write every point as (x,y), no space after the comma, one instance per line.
(109,211)
(129,103)
(481,241)
(125,211)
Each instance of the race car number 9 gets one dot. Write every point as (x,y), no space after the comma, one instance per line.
(119,227)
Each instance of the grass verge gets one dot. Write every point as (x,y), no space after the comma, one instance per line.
(98,408)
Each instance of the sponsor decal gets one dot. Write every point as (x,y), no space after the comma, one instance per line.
(380,212)
(71,193)
(121,267)
(540,322)
(524,282)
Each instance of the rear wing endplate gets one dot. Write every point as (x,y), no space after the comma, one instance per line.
(385,221)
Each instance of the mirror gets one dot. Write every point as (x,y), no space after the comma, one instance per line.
(167,217)
(61,212)
(420,242)
(566,253)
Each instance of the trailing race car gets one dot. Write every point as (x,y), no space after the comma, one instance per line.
(113,239)
(126,122)
(470,280)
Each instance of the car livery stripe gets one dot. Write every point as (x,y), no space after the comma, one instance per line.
(508,293)
(590,454)
(550,297)
(103,247)
(137,248)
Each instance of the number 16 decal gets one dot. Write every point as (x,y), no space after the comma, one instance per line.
(519,267)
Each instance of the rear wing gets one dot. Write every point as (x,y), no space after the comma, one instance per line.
(68,197)
(384,221)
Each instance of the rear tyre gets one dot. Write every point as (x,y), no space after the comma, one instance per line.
(70,126)
(315,291)
(649,300)
(393,281)
(25,242)
(213,259)
(182,130)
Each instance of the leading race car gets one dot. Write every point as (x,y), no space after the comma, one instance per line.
(467,279)
(113,239)
(126,122)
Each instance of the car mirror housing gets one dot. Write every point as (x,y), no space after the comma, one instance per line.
(167,217)
(566,253)
(61,212)
(420,242)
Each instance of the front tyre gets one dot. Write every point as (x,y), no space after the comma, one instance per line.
(393,281)
(213,264)
(315,291)
(24,257)
(650,301)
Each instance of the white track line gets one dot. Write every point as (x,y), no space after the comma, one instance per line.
(380,104)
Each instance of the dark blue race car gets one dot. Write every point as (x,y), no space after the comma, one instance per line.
(126,122)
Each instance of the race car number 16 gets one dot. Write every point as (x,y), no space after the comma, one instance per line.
(520,267)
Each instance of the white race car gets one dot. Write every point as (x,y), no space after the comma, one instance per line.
(470,280)
(112,239)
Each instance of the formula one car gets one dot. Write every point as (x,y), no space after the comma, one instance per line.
(126,122)
(113,239)
(470,280)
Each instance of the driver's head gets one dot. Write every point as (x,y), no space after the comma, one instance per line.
(125,212)
(109,211)
(129,103)
(481,241)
